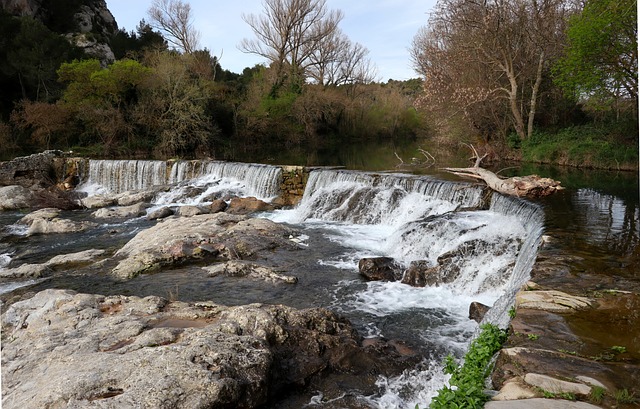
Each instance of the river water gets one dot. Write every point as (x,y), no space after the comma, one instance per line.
(491,243)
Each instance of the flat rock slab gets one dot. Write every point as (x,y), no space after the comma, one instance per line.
(219,236)
(539,403)
(556,386)
(64,349)
(551,300)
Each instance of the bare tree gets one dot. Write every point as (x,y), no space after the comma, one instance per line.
(488,58)
(289,33)
(174,19)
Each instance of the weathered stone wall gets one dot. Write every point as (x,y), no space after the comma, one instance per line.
(294,181)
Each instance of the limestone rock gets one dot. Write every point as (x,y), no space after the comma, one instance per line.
(379,269)
(46,221)
(129,198)
(117,352)
(551,300)
(135,210)
(247,205)
(25,271)
(160,213)
(81,257)
(188,211)
(15,197)
(556,386)
(236,268)
(99,201)
(219,236)
(515,389)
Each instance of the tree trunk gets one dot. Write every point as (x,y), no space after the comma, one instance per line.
(534,95)
(531,186)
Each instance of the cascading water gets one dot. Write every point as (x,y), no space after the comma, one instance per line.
(243,179)
(487,254)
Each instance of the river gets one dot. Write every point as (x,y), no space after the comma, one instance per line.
(347,215)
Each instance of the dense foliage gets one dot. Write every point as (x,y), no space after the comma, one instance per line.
(466,388)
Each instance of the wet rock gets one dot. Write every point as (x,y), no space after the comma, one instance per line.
(55,197)
(218,205)
(380,269)
(419,274)
(15,197)
(248,205)
(236,268)
(160,213)
(82,257)
(147,352)
(188,211)
(219,236)
(123,212)
(46,221)
(477,311)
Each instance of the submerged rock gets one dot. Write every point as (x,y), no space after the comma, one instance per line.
(219,236)
(119,351)
(236,268)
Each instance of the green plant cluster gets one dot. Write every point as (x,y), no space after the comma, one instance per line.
(605,146)
(466,388)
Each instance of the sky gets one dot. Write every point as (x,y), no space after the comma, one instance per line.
(385,27)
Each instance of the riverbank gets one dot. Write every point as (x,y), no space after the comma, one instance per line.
(574,329)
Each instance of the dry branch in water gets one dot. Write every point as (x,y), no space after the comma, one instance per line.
(531,186)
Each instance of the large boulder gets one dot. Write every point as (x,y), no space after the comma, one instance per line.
(63,349)
(219,236)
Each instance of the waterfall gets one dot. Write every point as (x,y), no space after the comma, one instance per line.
(485,247)
(117,176)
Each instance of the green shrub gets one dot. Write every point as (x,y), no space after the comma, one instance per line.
(467,380)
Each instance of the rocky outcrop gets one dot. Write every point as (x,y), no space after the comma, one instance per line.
(87,24)
(33,171)
(46,221)
(219,236)
(117,351)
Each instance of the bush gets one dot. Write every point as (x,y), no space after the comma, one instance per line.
(467,380)
(602,147)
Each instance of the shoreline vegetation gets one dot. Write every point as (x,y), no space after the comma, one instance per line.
(565,96)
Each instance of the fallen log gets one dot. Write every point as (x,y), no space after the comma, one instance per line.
(531,186)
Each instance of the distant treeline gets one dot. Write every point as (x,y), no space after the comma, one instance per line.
(498,74)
